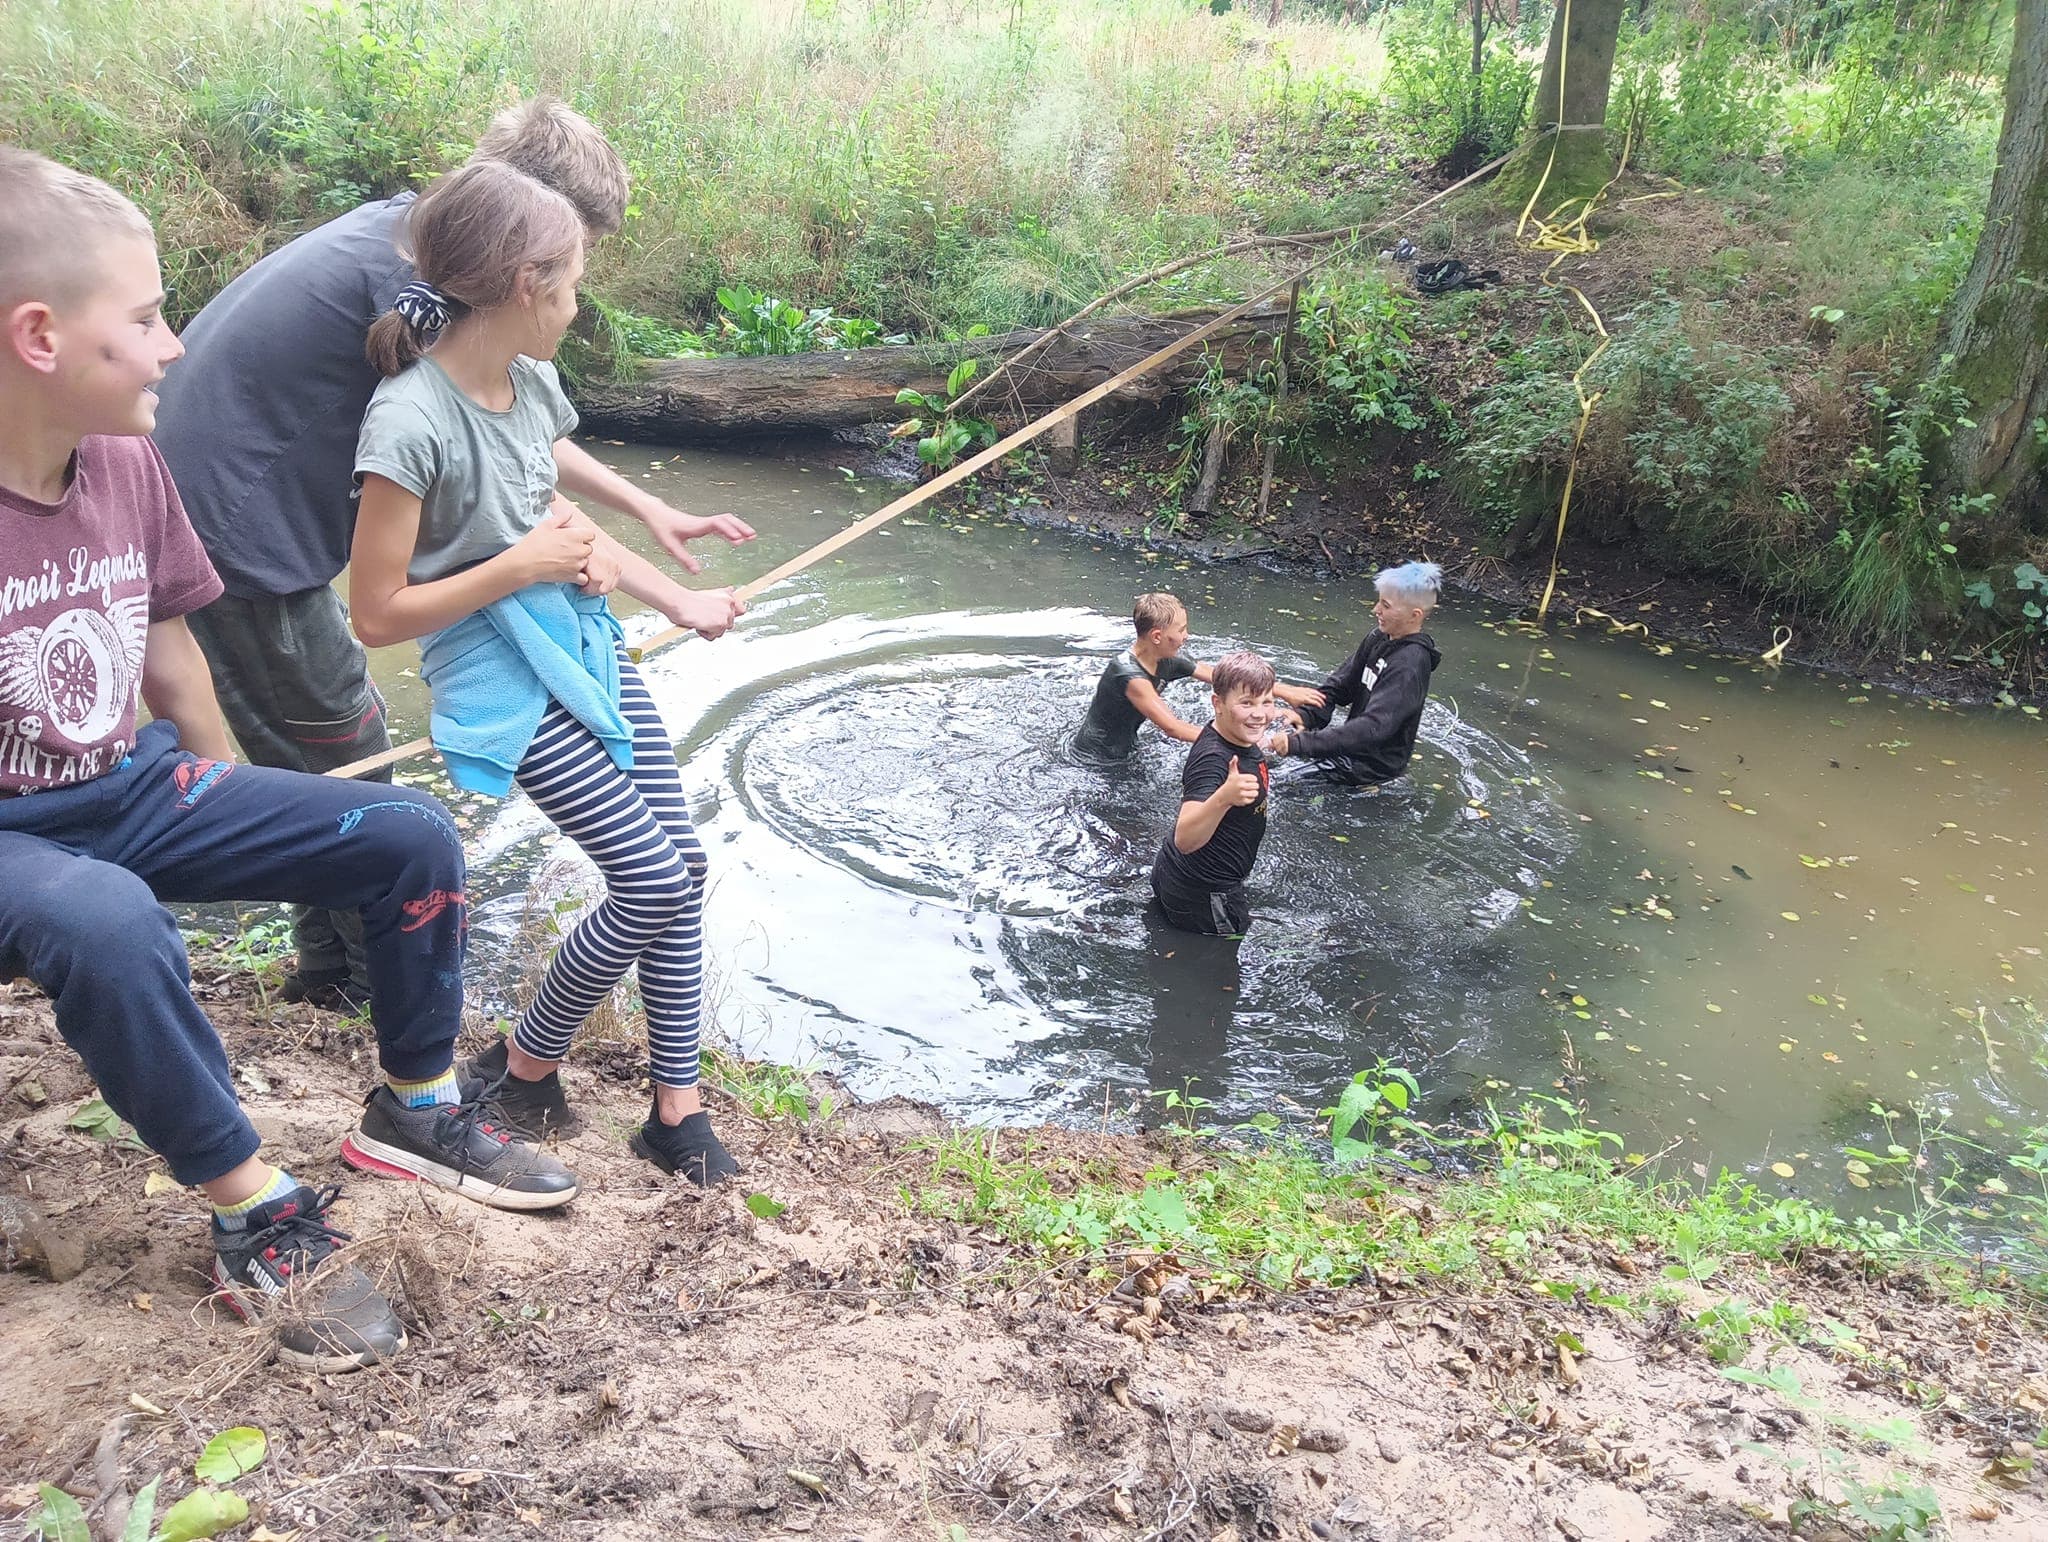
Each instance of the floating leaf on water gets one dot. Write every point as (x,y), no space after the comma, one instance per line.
(1785,1046)
(1713,1007)
(1788,915)
(1819,1001)
(1858,1181)
(1738,872)
(1830,1057)
(1602,1037)
(1784,1169)
(1855,1166)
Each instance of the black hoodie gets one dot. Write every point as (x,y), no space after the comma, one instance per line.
(1384,684)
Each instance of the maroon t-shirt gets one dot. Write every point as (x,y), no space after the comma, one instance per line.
(80,582)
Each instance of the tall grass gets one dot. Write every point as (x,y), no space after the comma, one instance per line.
(929,164)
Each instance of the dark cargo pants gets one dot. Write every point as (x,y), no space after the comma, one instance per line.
(295,688)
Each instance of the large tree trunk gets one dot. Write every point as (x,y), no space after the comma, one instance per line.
(1997,322)
(1571,98)
(687,400)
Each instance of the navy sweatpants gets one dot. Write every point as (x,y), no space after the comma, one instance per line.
(85,872)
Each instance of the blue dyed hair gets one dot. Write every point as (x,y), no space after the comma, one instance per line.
(1418,583)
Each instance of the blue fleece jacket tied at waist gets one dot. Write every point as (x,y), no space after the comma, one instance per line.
(493,673)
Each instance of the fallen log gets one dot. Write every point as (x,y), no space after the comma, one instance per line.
(680,401)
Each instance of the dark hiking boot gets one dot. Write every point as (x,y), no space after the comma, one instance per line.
(529,1110)
(287,1265)
(458,1146)
(688,1148)
(331,990)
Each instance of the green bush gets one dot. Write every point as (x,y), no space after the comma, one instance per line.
(1676,444)
(400,101)
(1355,364)
(1894,570)
(1446,111)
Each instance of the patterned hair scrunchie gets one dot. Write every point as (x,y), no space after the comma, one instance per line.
(422,305)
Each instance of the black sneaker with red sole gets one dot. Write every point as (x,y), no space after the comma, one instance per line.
(287,1266)
(457,1146)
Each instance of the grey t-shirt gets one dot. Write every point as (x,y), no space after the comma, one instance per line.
(484,479)
(258,421)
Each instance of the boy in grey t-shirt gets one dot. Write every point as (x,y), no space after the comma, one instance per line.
(258,425)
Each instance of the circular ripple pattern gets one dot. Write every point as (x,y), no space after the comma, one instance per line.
(947,776)
(936,767)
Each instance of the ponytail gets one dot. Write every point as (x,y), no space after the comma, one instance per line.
(394,344)
(473,238)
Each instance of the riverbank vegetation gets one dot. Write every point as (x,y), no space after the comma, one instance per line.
(1805,187)
(1028,1331)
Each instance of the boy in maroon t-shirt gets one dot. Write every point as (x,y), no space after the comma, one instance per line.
(100,823)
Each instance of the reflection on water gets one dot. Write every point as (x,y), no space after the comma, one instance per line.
(1755,903)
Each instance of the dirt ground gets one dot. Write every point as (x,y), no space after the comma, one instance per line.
(654,1363)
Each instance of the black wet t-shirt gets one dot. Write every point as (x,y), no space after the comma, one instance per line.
(1225,860)
(1110,730)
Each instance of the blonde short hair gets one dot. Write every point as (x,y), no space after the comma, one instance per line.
(53,224)
(1152,611)
(560,148)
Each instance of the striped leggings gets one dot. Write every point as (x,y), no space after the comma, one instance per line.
(635,825)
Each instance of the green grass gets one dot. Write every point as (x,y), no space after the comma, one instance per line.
(1279,1214)
(922,164)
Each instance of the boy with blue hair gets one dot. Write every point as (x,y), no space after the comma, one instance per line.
(1383,688)
(102,824)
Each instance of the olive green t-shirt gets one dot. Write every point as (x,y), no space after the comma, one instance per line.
(484,479)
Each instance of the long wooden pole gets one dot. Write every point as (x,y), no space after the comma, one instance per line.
(370,764)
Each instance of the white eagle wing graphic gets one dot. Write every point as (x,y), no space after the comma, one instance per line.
(21,681)
(131,623)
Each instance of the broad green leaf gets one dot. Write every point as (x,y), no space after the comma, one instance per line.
(230,1454)
(1164,1206)
(62,1518)
(205,1512)
(764,1207)
(141,1513)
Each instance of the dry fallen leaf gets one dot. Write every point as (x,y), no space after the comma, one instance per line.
(1784,1169)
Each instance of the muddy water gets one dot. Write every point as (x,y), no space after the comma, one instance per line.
(1732,907)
